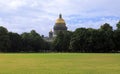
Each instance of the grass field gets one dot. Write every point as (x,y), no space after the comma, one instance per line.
(60,63)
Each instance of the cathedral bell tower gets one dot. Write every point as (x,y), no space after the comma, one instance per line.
(50,34)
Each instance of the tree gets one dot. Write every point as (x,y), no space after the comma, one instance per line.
(4,39)
(105,41)
(62,41)
(92,40)
(78,40)
(26,42)
(36,41)
(32,42)
(106,27)
(66,41)
(15,41)
(116,38)
(118,25)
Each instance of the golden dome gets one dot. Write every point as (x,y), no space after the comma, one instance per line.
(60,20)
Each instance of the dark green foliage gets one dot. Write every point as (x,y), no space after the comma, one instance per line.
(32,42)
(15,42)
(116,38)
(106,27)
(62,41)
(118,25)
(4,40)
(92,40)
(78,41)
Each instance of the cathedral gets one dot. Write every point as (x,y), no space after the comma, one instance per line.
(60,25)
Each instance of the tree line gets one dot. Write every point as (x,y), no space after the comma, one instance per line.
(89,40)
(26,42)
(102,40)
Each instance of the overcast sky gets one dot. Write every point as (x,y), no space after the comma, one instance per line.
(24,15)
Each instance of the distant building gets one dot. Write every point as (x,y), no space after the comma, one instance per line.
(60,25)
(51,34)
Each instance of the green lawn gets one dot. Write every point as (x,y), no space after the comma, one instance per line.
(59,63)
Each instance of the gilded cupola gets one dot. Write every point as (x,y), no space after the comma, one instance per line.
(60,20)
